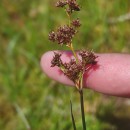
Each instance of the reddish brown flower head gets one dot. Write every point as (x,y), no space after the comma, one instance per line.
(56,61)
(73,70)
(76,23)
(73,5)
(61,3)
(88,57)
(63,35)
(92,57)
(52,36)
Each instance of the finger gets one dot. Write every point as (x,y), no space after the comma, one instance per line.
(110,76)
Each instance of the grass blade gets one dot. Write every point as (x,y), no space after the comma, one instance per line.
(72,116)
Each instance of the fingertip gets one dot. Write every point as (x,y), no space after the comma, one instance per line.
(112,73)
(44,60)
(54,72)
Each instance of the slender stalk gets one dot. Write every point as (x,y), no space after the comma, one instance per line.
(69,17)
(75,55)
(69,20)
(82,109)
(22,116)
(71,45)
(72,116)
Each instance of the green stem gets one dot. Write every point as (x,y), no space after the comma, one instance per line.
(82,109)
(69,20)
(72,116)
(69,16)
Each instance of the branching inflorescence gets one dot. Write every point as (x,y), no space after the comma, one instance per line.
(82,61)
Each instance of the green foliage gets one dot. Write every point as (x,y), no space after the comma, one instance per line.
(24,27)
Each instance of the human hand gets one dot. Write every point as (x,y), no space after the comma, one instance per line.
(111,76)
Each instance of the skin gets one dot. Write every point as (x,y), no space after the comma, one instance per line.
(110,76)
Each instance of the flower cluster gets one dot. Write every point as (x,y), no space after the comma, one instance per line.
(76,23)
(61,3)
(63,35)
(88,57)
(72,5)
(74,70)
(56,61)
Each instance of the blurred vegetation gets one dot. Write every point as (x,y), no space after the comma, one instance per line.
(28,96)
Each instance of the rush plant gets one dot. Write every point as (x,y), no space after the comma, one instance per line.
(82,61)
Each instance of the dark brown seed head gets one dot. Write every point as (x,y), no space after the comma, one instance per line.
(92,57)
(56,61)
(73,70)
(52,36)
(76,23)
(88,57)
(61,3)
(73,5)
(65,35)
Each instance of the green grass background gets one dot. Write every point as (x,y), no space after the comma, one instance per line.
(24,88)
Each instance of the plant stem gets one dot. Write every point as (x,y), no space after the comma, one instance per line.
(22,116)
(82,109)
(69,20)
(69,17)
(75,55)
(72,116)
(71,45)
